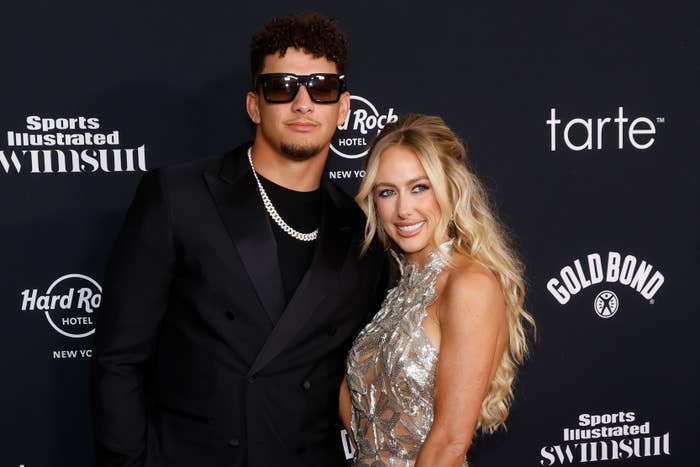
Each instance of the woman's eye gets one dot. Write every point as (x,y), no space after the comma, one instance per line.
(420,188)
(385,193)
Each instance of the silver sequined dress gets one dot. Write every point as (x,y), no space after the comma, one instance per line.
(391,371)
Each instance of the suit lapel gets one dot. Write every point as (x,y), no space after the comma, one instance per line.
(240,207)
(320,279)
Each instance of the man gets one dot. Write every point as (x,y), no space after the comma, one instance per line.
(232,296)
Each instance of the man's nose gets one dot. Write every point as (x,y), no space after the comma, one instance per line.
(302,101)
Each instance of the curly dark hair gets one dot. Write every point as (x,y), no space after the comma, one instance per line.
(312,32)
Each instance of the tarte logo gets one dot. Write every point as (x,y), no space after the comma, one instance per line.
(581,134)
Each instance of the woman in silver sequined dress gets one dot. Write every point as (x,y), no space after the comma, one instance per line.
(437,362)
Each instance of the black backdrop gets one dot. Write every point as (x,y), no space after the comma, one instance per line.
(607,225)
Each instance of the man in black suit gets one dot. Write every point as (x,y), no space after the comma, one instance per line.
(236,285)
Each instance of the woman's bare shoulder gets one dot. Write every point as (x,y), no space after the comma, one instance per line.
(471,287)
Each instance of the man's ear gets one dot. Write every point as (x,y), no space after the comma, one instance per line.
(344,107)
(252,107)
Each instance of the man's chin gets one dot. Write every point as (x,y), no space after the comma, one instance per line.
(298,152)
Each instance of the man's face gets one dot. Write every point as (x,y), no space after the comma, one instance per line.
(302,128)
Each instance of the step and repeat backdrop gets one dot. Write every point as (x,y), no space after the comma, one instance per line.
(580,117)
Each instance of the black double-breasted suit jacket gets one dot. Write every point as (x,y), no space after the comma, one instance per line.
(199,360)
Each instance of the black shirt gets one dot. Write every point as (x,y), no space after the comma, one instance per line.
(301,210)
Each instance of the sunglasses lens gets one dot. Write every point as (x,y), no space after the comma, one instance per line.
(324,88)
(280,88)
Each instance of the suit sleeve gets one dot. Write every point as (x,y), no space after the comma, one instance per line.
(137,286)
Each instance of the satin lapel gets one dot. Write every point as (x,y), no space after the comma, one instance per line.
(241,209)
(320,279)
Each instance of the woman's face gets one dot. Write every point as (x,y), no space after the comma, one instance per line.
(406,203)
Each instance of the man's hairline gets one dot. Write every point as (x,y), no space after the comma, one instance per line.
(282,54)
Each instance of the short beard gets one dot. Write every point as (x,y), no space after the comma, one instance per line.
(299,153)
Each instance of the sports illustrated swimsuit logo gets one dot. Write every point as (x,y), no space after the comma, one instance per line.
(69,304)
(361,125)
(591,133)
(583,273)
(68,145)
(606,437)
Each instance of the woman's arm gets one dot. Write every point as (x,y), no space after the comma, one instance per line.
(345,405)
(474,334)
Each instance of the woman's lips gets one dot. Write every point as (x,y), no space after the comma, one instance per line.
(409,230)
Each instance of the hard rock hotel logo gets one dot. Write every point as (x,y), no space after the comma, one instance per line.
(68,145)
(69,304)
(361,125)
(609,268)
(606,437)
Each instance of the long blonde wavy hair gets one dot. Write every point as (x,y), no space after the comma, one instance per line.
(467,218)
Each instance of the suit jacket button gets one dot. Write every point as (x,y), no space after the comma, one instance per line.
(306,385)
(251,379)
(234,443)
(231,315)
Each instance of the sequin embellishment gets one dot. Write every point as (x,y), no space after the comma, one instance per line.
(391,371)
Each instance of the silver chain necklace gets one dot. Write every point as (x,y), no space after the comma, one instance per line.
(304,237)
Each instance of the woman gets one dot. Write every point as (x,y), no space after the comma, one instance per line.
(438,360)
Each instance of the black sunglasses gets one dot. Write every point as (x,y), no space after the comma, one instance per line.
(280,88)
